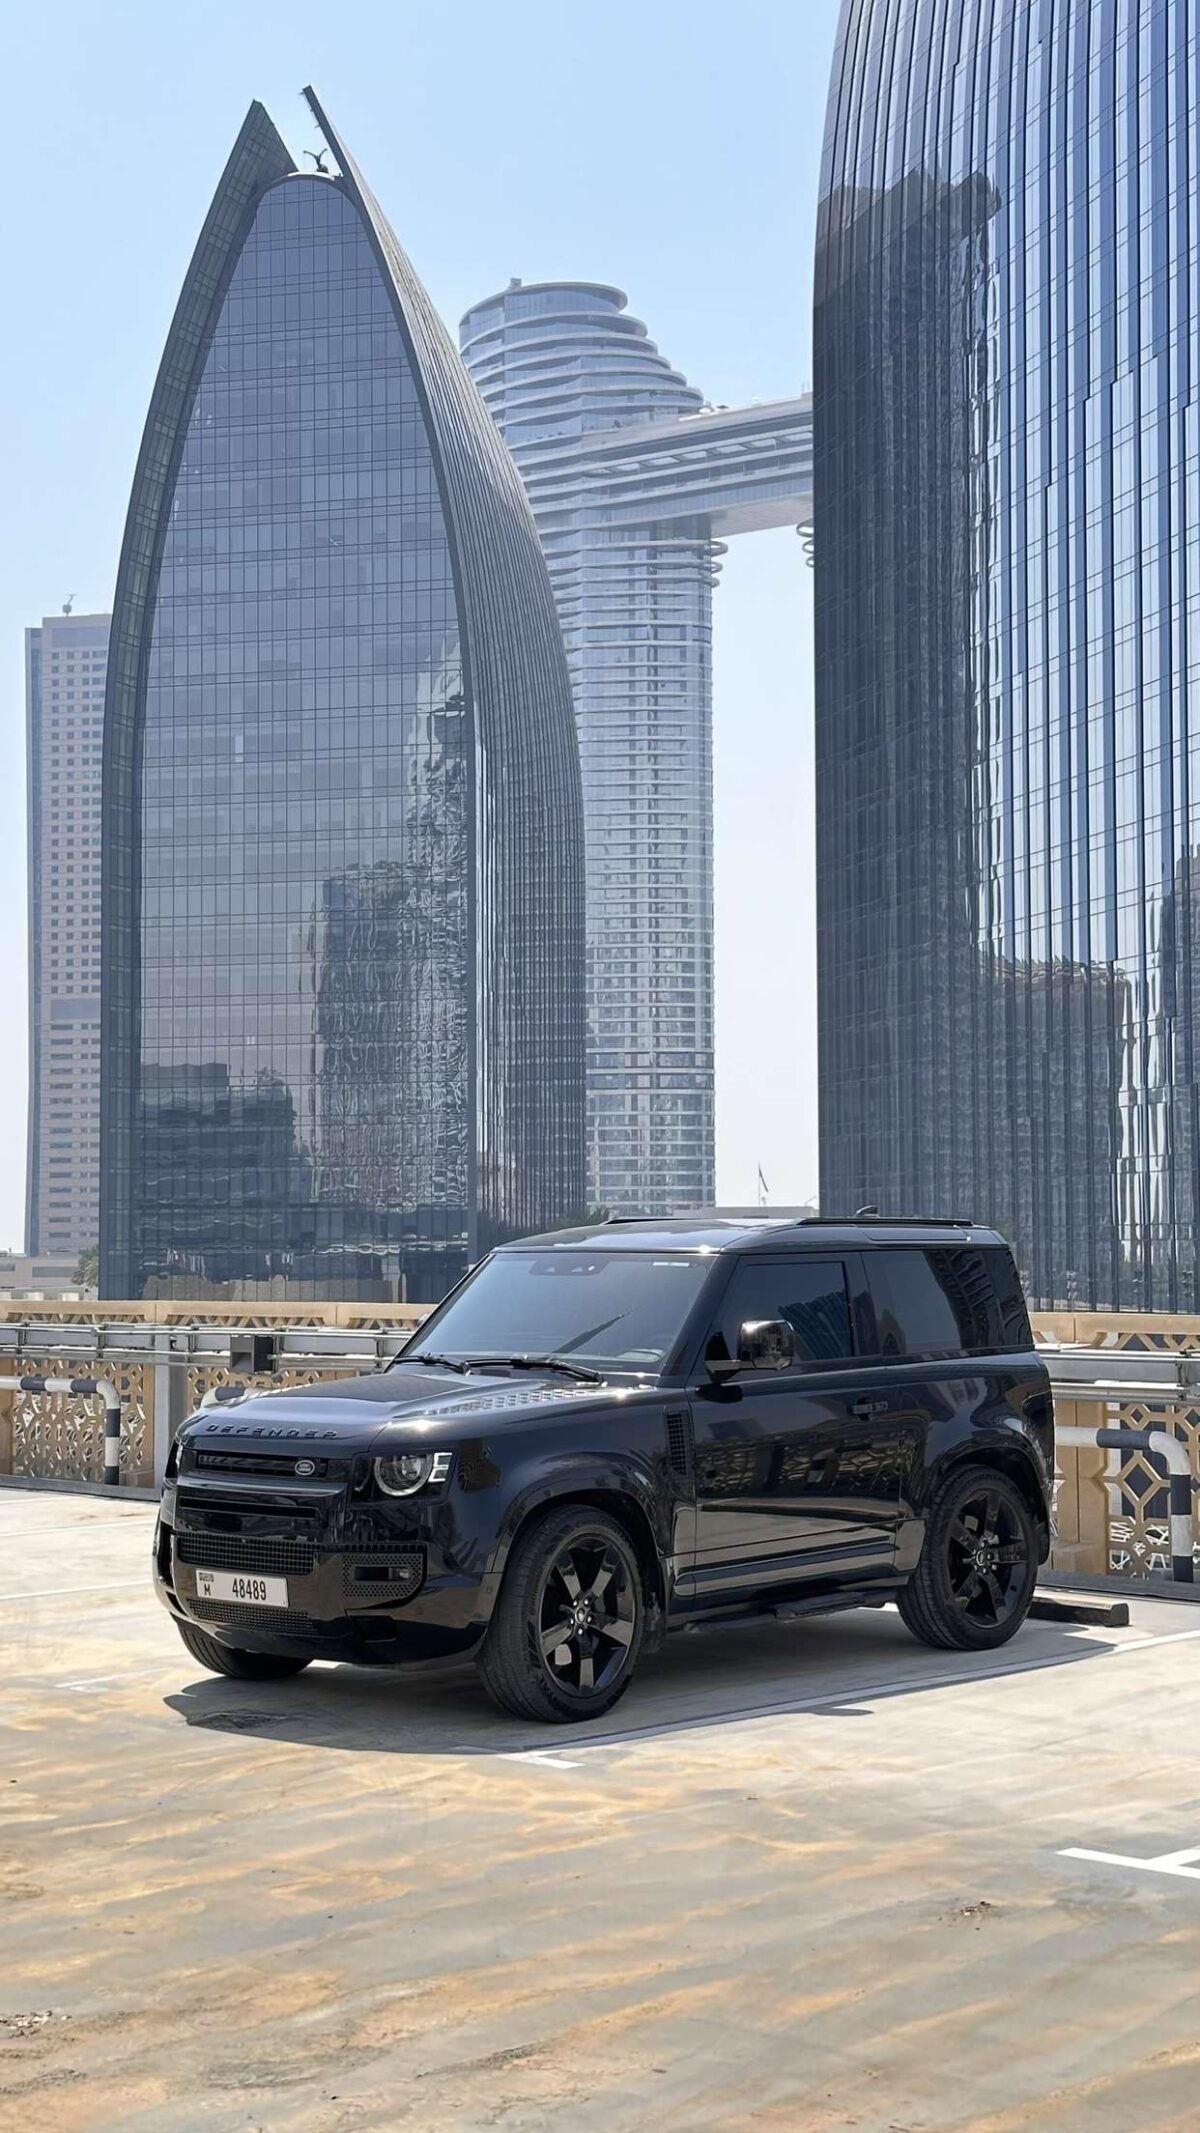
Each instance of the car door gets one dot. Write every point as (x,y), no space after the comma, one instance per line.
(793,1469)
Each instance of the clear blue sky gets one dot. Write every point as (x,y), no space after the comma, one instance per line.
(671,146)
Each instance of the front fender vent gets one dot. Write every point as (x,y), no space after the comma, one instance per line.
(679,1442)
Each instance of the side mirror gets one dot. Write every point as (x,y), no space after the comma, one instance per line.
(766,1344)
(763,1344)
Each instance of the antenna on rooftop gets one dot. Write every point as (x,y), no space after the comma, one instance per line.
(68,603)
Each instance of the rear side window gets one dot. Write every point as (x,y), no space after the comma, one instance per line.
(962,1301)
(1015,1329)
(809,1293)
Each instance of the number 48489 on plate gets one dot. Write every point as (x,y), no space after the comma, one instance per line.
(239,1585)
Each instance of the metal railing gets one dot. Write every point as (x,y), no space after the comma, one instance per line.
(159,1372)
(1127,1401)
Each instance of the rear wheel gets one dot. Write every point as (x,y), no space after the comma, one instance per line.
(972,1587)
(239,1666)
(565,1637)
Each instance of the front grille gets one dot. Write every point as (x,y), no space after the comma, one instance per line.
(210,1497)
(233,1551)
(280,1621)
(263,1463)
(391,1577)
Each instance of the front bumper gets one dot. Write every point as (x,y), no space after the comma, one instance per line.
(389,1594)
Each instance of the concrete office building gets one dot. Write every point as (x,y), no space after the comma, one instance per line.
(66,659)
(634,485)
(343,889)
(1007,389)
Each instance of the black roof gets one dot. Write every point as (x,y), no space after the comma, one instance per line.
(744,1233)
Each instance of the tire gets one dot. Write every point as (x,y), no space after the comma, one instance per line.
(239,1666)
(592,1664)
(971,1589)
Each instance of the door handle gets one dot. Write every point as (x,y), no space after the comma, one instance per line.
(864,1409)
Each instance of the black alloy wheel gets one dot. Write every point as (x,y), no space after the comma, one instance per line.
(587,1616)
(568,1625)
(987,1557)
(972,1587)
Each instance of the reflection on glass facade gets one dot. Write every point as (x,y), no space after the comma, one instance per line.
(1007,509)
(344,958)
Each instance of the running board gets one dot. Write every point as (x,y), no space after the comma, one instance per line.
(833,1603)
(824,1603)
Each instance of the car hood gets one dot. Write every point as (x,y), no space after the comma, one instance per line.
(419,1406)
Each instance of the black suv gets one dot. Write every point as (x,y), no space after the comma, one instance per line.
(610,1432)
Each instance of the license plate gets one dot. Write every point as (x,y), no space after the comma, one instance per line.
(241,1585)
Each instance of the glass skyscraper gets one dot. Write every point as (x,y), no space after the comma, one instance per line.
(343,1022)
(633,484)
(1007,519)
(65,661)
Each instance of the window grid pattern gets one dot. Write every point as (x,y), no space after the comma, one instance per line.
(1007,508)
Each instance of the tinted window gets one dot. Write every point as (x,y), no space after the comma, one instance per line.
(1015,1331)
(955,1302)
(809,1293)
(622,1309)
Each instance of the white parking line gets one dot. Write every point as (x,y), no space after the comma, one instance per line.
(1179,1863)
(543,1757)
(53,1592)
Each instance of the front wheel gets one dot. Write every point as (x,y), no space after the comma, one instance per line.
(565,1637)
(972,1587)
(238,1666)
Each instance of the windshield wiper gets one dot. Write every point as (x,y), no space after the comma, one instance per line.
(536,1362)
(439,1362)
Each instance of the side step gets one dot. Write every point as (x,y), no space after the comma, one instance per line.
(819,1603)
(833,1603)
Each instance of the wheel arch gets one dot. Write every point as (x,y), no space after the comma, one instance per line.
(622,1504)
(1011,1457)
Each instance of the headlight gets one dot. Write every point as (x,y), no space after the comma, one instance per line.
(403,1473)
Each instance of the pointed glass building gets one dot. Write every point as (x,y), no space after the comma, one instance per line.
(343,1013)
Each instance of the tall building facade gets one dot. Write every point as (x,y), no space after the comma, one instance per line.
(66,659)
(633,486)
(1007,518)
(343,889)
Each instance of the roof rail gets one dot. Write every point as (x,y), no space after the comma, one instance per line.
(899,1221)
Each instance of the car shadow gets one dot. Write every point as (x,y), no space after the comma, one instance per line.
(839,1666)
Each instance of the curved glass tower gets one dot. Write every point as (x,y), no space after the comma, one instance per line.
(1007,512)
(343,1025)
(558,364)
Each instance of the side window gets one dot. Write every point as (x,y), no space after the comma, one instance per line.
(948,1302)
(809,1293)
(1015,1330)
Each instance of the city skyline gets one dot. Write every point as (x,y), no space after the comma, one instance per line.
(343,1007)
(471,237)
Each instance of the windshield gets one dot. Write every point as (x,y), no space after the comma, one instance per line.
(608,1310)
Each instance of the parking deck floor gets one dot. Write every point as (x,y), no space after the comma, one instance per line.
(810,1877)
